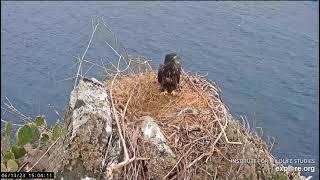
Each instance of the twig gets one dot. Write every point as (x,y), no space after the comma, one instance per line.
(43,155)
(117,120)
(243,122)
(11,109)
(272,144)
(215,174)
(95,28)
(198,158)
(226,120)
(205,171)
(177,162)
(4,121)
(66,79)
(106,153)
(260,130)
(125,110)
(88,69)
(22,166)
(125,162)
(245,118)
(243,149)
(8,101)
(222,155)
(126,155)
(112,48)
(184,110)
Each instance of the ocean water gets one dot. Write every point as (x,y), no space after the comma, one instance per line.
(263,55)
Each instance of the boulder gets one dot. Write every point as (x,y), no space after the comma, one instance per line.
(81,151)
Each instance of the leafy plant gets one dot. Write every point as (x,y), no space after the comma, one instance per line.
(40,121)
(8,127)
(35,133)
(7,156)
(56,131)
(18,151)
(30,133)
(3,167)
(5,136)
(44,138)
(25,135)
(12,166)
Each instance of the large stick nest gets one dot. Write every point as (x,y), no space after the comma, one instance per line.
(200,131)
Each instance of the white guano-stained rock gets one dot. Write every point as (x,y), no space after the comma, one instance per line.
(152,132)
(87,128)
(89,98)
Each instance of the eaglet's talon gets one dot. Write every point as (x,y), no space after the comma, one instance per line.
(178,89)
(174,93)
(163,93)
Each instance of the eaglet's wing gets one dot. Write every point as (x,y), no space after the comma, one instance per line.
(178,71)
(160,73)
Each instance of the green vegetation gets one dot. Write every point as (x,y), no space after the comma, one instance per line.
(35,134)
(278,176)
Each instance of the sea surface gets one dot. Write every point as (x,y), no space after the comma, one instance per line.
(263,55)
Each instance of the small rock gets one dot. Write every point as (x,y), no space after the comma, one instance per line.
(152,132)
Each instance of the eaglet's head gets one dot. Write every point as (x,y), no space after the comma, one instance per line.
(170,57)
